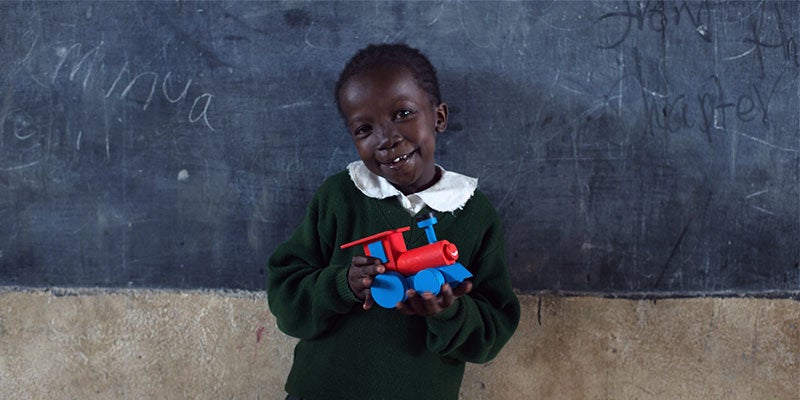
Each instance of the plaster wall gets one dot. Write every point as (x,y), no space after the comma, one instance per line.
(147,344)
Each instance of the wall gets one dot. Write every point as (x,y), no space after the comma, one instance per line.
(138,344)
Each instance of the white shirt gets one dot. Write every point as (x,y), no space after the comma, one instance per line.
(450,193)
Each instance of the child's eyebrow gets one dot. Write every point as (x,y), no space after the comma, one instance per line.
(353,118)
(403,98)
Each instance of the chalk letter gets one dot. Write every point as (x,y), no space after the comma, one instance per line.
(204,113)
(166,95)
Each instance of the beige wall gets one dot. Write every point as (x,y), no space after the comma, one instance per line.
(140,344)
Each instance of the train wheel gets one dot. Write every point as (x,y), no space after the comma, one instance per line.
(388,289)
(428,280)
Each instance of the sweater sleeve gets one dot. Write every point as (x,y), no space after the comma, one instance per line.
(305,294)
(477,326)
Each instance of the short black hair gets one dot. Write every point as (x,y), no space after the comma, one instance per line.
(397,54)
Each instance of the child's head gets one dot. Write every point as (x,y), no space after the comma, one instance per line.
(401,55)
(389,98)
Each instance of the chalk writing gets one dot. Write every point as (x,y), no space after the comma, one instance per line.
(715,105)
(760,29)
(150,81)
(204,113)
(768,30)
(25,150)
(125,70)
(181,96)
(712,108)
(125,83)
(87,65)
(63,54)
(659,18)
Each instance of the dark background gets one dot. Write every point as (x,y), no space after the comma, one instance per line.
(631,148)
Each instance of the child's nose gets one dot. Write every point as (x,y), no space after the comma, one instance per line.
(389,137)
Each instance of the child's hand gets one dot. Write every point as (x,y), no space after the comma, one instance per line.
(360,275)
(426,304)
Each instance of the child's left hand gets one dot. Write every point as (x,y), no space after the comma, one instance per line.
(426,304)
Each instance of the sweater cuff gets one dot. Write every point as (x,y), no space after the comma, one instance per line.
(343,288)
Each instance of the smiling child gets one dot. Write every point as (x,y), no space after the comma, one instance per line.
(388,96)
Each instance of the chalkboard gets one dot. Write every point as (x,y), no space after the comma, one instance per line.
(631,148)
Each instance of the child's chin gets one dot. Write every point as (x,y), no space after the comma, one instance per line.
(398,176)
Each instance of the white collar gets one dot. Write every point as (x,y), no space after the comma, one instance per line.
(450,193)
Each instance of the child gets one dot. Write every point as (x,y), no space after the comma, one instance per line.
(389,98)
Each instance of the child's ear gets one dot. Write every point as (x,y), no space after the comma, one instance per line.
(441,117)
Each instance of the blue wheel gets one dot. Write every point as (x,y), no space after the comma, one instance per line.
(428,280)
(388,289)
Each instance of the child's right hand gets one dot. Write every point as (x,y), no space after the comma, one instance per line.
(360,276)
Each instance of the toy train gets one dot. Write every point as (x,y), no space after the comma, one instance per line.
(425,268)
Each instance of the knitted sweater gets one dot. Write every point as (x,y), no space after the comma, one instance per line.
(348,353)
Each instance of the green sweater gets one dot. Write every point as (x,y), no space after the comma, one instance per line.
(350,354)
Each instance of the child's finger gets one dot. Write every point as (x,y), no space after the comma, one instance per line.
(430,303)
(368,301)
(376,268)
(371,268)
(366,281)
(462,289)
(363,261)
(447,296)
(403,308)
(413,303)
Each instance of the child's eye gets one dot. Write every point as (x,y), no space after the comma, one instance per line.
(363,130)
(402,114)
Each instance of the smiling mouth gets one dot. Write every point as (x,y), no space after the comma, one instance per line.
(400,159)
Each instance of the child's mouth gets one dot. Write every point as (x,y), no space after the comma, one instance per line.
(401,158)
(399,161)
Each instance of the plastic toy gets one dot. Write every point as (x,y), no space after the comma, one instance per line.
(425,268)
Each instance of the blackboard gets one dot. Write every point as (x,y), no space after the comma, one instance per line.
(631,148)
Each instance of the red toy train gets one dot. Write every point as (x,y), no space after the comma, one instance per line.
(425,268)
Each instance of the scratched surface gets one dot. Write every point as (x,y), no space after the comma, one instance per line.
(630,148)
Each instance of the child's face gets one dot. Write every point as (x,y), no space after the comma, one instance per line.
(394,125)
